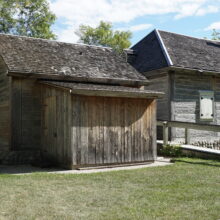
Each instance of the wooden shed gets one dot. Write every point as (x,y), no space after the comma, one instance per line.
(187,70)
(78,105)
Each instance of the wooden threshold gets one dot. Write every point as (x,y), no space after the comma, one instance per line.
(103,166)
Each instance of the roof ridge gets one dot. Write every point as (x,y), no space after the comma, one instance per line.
(184,35)
(56,41)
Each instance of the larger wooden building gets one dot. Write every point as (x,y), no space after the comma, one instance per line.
(187,70)
(78,105)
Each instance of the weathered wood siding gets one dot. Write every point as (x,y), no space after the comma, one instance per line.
(185,104)
(84,130)
(56,126)
(113,130)
(4,108)
(161,83)
(26,114)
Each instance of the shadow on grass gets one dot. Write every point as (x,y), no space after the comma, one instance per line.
(25,169)
(204,163)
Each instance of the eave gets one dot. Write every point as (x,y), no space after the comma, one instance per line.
(110,81)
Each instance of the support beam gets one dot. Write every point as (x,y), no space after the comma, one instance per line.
(187,136)
(165,133)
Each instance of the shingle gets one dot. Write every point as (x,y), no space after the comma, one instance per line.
(193,53)
(148,54)
(31,55)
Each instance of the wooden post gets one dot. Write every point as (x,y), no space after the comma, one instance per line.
(187,136)
(165,133)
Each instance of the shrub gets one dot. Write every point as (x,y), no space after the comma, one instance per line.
(171,151)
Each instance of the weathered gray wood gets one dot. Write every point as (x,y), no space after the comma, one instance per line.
(5,108)
(84,131)
(189,125)
(69,125)
(161,83)
(127,136)
(26,114)
(107,124)
(59,129)
(92,134)
(153,145)
(103,130)
(16,114)
(74,130)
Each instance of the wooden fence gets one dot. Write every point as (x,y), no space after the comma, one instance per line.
(187,125)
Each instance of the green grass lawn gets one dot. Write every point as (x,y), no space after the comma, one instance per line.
(189,189)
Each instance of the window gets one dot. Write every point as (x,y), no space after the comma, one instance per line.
(206,105)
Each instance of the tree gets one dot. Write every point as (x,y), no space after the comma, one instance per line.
(31,18)
(215,35)
(103,35)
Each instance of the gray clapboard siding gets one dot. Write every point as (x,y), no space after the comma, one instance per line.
(4,108)
(161,83)
(185,104)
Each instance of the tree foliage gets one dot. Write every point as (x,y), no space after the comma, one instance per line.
(31,18)
(103,35)
(215,35)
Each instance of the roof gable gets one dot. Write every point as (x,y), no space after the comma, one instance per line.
(36,56)
(150,53)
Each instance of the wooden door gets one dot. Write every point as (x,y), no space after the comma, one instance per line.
(50,126)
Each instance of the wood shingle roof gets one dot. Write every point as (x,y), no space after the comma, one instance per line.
(190,52)
(78,62)
(161,49)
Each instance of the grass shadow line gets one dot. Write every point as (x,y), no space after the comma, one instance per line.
(196,163)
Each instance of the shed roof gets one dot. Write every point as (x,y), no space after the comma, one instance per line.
(32,56)
(178,51)
(103,90)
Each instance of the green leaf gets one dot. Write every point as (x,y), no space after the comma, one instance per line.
(31,18)
(103,35)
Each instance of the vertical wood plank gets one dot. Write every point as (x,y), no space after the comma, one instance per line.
(122,123)
(98,130)
(68,133)
(84,130)
(91,139)
(107,124)
(59,129)
(74,143)
(16,115)
(101,131)
(145,132)
(154,129)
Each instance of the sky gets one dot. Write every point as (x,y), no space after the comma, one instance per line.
(195,18)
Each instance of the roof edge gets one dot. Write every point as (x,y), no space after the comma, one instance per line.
(204,71)
(101,80)
(163,47)
(185,35)
(106,91)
